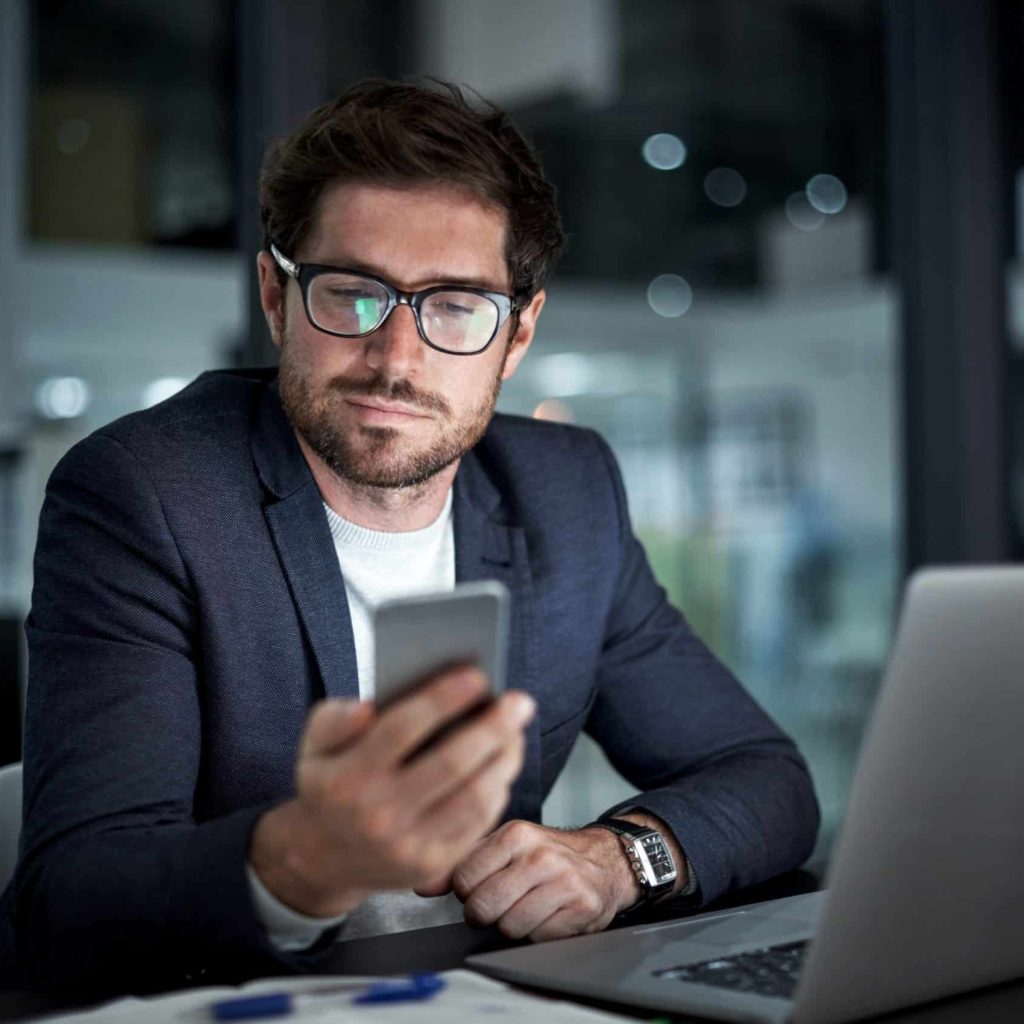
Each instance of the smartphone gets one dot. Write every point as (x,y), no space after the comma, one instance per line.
(417,637)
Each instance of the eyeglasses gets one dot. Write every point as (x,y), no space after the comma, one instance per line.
(350,304)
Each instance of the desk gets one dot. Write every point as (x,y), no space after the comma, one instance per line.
(445,947)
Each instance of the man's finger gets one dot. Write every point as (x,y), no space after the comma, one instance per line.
(496,896)
(535,909)
(407,724)
(440,886)
(490,856)
(332,725)
(563,923)
(444,768)
(475,808)
(539,866)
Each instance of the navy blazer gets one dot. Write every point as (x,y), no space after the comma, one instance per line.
(188,608)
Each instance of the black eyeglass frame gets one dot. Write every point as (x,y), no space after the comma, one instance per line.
(304,274)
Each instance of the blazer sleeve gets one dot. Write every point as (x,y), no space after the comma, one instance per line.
(118,887)
(677,725)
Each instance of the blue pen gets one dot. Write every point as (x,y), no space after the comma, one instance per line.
(422,985)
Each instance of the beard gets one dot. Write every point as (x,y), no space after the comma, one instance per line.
(380,457)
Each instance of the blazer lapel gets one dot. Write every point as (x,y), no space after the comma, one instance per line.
(486,547)
(306,549)
(295,516)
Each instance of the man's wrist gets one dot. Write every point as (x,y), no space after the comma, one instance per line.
(627,889)
(683,881)
(286,928)
(678,856)
(283,853)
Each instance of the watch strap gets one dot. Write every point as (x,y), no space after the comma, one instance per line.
(622,827)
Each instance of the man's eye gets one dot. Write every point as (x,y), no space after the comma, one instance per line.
(350,294)
(456,310)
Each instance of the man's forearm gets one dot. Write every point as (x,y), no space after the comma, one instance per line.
(182,914)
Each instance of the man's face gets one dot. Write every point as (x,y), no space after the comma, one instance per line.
(386,410)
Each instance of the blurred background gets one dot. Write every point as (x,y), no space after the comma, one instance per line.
(793,300)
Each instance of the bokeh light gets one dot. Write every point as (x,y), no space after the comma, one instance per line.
(826,193)
(664,152)
(725,186)
(669,295)
(62,398)
(157,390)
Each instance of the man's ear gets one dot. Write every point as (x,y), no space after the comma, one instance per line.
(271,296)
(524,334)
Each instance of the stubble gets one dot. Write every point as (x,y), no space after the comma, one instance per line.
(377,457)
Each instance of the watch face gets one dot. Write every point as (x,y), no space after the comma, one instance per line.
(659,859)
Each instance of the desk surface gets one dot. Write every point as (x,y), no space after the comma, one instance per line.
(445,948)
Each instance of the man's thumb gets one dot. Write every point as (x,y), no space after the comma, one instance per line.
(436,886)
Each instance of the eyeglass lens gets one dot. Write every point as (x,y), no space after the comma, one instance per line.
(454,320)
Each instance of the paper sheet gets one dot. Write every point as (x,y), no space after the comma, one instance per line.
(468,997)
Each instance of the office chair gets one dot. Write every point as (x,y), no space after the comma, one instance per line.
(10,820)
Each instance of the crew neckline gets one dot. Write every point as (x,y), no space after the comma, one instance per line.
(346,532)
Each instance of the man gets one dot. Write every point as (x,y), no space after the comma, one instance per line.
(206,572)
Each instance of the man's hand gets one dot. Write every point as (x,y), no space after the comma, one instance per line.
(543,883)
(373,811)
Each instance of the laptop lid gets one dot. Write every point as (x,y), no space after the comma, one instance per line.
(926,885)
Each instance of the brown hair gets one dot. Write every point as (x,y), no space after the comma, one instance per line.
(398,134)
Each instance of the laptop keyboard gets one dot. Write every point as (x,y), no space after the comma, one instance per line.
(764,972)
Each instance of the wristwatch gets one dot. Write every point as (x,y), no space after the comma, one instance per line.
(649,857)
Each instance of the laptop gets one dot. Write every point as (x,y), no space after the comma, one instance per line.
(925,893)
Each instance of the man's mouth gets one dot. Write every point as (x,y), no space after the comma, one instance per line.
(396,399)
(378,408)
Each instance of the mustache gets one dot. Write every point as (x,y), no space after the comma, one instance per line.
(396,390)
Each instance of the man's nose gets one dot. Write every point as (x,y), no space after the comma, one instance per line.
(396,347)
